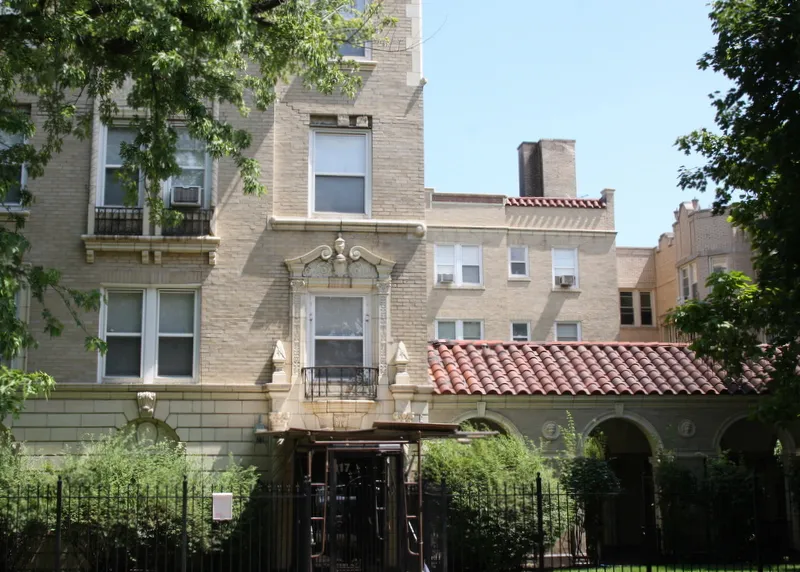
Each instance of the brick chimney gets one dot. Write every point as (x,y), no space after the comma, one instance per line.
(547,168)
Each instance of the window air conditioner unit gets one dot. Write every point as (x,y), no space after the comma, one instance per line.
(187,196)
(444,278)
(566,281)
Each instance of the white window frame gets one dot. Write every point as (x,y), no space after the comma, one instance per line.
(458,263)
(527,331)
(367,134)
(205,194)
(575,262)
(567,322)
(511,262)
(366,301)
(691,273)
(638,302)
(632,307)
(22,299)
(367,45)
(23,171)
(148,366)
(711,264)
(459,327)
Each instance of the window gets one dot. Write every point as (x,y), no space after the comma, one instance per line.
(688,275)
(568,331)
(10,171)
(190,154)
(718,264)
(646,308)
(338,331)
(112,191)
(520,331)
(356,49)
(518,261)
(458,264)
(151,333)
(627,313)
(22,306)
(565,264)
(341,163)
(459,329)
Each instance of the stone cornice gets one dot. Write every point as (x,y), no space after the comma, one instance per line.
(380,226)
(155,244)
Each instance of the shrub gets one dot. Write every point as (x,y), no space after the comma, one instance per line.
(492,510)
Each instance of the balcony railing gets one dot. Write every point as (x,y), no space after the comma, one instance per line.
(109,221)
(341,382)
(196,222)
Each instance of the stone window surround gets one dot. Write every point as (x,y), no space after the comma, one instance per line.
(145,244)
(329,271)
(150,334)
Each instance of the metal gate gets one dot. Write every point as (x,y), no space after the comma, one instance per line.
(358,516)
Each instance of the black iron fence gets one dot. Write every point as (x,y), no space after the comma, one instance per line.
(195,222)
(341,382)
(69,528)
(111,221)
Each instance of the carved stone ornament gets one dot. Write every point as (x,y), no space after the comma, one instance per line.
(147,403)
(686,428)
(337,262)
(551,431)
(403,416)
(279,356)
(279,421)
(147,433)
(340,420)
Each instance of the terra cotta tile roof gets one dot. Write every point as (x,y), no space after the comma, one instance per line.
(564,202)
(579,368)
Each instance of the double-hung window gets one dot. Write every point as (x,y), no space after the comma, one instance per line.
(458,264)
(688,278)
(151,334)
(339,332)
(718,264)
(341,162)
(565,267)
(190,154)
(12,175)
(518,261)
(521,331)
(112,190)
(355,48)
(568,331)
(22,307)
(636,308)
(459,329)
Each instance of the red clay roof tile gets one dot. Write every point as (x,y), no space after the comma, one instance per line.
(579,368)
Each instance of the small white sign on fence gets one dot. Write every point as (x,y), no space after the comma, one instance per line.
(222,506)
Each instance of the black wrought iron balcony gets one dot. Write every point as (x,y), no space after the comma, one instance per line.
(341,382)
(110,221)
(196,222)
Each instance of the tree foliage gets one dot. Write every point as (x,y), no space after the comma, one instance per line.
(159,60)
(752,164)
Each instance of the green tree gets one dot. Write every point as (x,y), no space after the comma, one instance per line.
(752,163)
(164,59)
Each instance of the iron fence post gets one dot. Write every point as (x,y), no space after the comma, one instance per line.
(307,536)
(184,524)
(59,511)
(444,526)
(757,524)
(540,519)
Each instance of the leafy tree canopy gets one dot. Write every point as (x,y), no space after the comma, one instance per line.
(752,163)
(163,59)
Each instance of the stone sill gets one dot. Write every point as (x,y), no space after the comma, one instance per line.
(155,244)
(99,389)
(8,213)
(519,278)
(566,290)
(468,288)
(380,226)
(362,64)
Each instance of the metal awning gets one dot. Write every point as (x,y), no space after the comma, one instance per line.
(381,432)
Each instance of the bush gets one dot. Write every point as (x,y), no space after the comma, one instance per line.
(121,498)
(492,510)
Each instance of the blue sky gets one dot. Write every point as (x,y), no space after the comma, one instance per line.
(618,76)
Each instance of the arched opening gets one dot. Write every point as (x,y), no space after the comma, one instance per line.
(759,449)
(627,449)
(483,424)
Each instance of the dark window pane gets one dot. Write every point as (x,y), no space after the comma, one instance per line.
(175,356)
(471,274)
(13,174)
(647,317)
(124,314)
(114,195)
(446,330)
(626,299)
(518,269)
(339,194)
(124,357)
(339,352)
(627,317)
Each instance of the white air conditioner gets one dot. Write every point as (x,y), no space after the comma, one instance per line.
(444,278)
(565,281)
(187,196)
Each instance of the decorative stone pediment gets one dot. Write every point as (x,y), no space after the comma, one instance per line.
(325,262)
